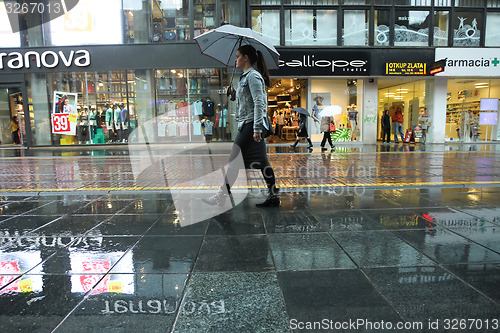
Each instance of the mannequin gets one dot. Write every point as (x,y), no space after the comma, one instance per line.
(116,120)
(316,111)
(124,122)
(93,121)
(109,122)
(353,120)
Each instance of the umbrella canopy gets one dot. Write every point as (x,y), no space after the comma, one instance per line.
(223,42)
(330,111)
(301,110)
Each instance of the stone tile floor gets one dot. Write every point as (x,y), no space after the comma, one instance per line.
(79,262)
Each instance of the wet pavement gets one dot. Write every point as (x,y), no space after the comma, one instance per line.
(422,252)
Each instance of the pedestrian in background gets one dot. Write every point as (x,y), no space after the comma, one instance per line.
(302,132)
(325,128)
(14,128)
(386,127)
(397,123)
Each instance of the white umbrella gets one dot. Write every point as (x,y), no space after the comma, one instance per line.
(330,111)
(223,42)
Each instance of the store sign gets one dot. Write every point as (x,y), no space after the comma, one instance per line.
(322,62)
(46,59)
(469,61)
(405,68)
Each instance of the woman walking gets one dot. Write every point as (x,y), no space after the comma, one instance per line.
(302,132)
(325,128)
(251,108)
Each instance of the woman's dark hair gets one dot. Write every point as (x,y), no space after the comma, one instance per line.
(256,57)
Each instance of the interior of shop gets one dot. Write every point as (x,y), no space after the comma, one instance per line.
(466,121)
(11,105)
(282,97)
(289,93)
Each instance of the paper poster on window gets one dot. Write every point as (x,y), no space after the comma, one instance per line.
(64,113)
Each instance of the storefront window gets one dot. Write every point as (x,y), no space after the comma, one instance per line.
(190,106)
(407,97)
(204,16)
(346,93)
(355,28)
(412,2)
(301,2)
(170,20)
(467,28)
(469,118)
(441,27)
(136,18)
(267,23)
(8,38)
(382,26)
(411,28)
(311,27)
(39,100)
(87,23)
(492,31)
(230,12)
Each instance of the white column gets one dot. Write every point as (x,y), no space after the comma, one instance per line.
(368,119)
(435,101)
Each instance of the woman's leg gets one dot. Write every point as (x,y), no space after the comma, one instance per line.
(325,135)
(330,139)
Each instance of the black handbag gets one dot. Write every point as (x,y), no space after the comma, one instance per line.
(269,131)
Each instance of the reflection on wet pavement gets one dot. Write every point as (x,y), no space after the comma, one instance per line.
(116,262)
(92,261)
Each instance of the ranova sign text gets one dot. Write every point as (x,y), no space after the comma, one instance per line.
(47,59)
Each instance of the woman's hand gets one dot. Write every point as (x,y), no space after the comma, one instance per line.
(257,137)
(230,90)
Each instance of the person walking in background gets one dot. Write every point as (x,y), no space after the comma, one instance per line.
(397,123)
(325,128)
(251,108)
(302,132)
(386,127)
(14,128)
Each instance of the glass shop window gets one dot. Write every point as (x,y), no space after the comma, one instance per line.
(411,28)
(170,20)
(467,28)
(355,27)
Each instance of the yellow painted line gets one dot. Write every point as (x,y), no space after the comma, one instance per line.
(111,189)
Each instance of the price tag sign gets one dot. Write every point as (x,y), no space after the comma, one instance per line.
(62,125)
(72,118)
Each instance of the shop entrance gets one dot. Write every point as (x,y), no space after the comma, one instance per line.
(284,95)
(12,131)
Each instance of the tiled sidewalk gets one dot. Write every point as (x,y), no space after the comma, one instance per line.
(123,263)
(102,174)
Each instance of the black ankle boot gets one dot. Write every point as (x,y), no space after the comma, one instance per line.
(310,143)
(272,200)
(294,144)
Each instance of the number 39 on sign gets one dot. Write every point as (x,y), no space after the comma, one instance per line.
(61,124)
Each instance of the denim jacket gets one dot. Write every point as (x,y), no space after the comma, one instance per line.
(251,99)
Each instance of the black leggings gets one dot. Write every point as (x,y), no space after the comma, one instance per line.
(326,136)
(254,157)
(386,132)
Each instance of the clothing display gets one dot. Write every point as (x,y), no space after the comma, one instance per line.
(197,108)
(196,127)
(171,128)
(183,128)
(208,126)
(162,128)
(208,108)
